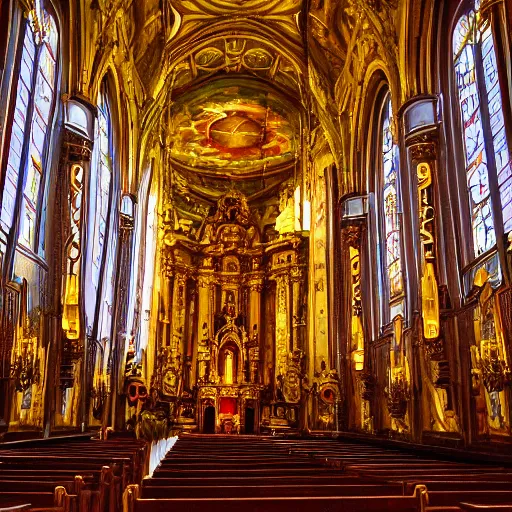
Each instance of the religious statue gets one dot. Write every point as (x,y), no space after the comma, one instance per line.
(285,222)
(228,370)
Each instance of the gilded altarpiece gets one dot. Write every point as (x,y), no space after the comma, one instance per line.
(230,341)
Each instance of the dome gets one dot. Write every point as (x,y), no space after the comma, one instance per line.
(236,131)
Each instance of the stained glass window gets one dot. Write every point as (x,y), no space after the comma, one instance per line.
(486,150)
(23,98)
(392,234)
(103,177)
(34,105)
(102,230)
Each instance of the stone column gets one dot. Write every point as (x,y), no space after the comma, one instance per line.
(126,225)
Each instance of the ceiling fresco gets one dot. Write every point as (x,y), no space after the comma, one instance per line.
(233,126)
(247,7)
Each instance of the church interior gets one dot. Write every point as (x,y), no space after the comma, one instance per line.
(251,241)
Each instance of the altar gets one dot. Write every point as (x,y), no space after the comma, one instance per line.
(232,339)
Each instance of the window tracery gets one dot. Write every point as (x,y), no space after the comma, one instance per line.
(486,151)
(33,112)
(389,204)
(102,178)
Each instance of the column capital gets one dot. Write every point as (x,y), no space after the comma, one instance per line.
(423,148)
(351,235)
(77,148)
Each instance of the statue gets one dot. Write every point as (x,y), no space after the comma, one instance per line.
(285,222)
(228,371)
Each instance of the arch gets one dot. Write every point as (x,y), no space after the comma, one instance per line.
(102,214)
(382,154)
(230,358)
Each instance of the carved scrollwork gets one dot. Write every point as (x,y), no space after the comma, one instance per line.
(77,148)
(229,392)
(398,398)
(423,147)
(351,235)
(208,392)
(496,375)
(368,380)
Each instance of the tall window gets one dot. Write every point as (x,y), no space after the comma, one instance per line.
(102,228)
(102,178)
(486,151)
(389,204)
(34,105)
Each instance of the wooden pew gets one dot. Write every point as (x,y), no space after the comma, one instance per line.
(43,465)
(133,457)
(342,479)
(268,491)
(449,497)
(14,508)
(222,465)
(489,508)
(459,485)
(132,503)
(57,501)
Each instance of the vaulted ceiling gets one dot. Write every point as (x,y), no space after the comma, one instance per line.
(233,88)
(228,85)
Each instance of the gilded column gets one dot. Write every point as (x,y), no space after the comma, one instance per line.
(255,287)
(204,335)
(282,327)
(298,320)
(421,128)
(75,159)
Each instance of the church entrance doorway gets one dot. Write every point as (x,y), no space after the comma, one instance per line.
(249,420)
(209,420)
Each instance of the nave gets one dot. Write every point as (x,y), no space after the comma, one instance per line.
(250,473)
(267,474)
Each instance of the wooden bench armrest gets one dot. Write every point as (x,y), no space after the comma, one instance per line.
(475,506)
(15,508)
(63,500)
(421,494)
(130,496)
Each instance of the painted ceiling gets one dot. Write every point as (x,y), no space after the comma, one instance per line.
(233,127)
(247,7)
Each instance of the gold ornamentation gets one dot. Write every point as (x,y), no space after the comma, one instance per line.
(429,288)
(208,392)
(245,7)
(489,359)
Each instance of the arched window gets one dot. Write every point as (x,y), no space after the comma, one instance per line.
(102,216)
(390,234)
(103,181)
(30,134)
(486,150)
